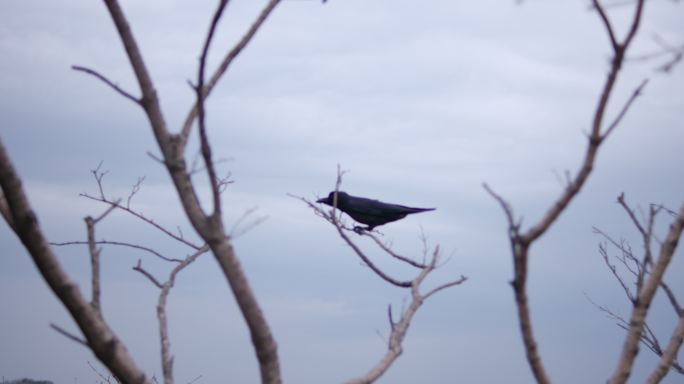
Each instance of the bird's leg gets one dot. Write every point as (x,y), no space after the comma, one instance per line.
(361,230)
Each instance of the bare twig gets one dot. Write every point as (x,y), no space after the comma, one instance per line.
(330,217)
(644,298)
(613,269)
(144,272)
(123,244)
(167,358)
(108,82)
(367,261)
(673,300)
(145,219)
(199,89)
(107,379)
(668,357)
(606,23)
(69,335)
(95,258)
(99,175)
(636,93)
(227,61)
(238,229)
(400,328)
(134,190)
(647,336)
(675,54)
(210,228)
(101,339)
(390,252)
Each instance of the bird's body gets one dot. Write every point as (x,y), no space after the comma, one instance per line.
(368,211)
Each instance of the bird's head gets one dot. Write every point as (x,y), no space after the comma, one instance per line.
(330,200)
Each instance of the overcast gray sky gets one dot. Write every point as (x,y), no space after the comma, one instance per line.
(420,101)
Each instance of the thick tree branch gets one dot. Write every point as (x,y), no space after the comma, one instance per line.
(643,302)
(521,241)
(640,270)
(210,228)
(667,358)
(5,211)
(101,339)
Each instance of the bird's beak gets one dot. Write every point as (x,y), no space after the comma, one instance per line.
(322,200)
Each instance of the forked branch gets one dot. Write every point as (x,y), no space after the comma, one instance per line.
(639,268)
(398,329)
(209,227)
(521,241)
(401,327)
(644,297)
(100,338)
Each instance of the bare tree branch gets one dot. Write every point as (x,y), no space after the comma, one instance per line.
(330,217)
(227,61)
(210,228)
(107,379)
(69,335)
(644,298)
(390,252)
(613,269)
(5,211)
(238,229)
(145,219)
(668,357)
(108,82)
(167,358)
(135,189)
(199,89)
(636,93)
(123,244)
(95,258)
(606,23)
(673,300)
(640,271)
(100,338)
(400,328)
(521,242)
(144,272)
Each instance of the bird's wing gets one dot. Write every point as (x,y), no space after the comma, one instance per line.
(371,207)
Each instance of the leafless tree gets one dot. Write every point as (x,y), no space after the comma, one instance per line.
(165,287)
(209,226)
(638,272)
(522,240)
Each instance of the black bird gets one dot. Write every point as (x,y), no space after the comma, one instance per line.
(367,211)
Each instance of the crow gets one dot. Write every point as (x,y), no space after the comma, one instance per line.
(367,211)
